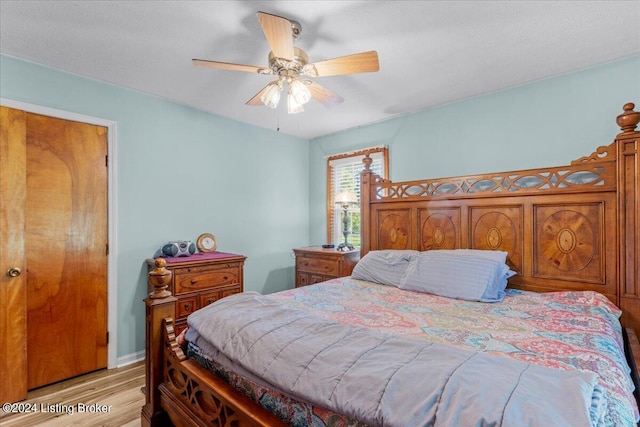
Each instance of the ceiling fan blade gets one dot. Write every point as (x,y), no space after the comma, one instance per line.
(231,66)
(322,94)
(279,35)
(364,62)
(255,101)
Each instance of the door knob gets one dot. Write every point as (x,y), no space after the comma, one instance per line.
(14,272)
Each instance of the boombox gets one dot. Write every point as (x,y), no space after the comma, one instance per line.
(179,248)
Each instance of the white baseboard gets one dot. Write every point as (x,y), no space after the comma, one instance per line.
(128,359)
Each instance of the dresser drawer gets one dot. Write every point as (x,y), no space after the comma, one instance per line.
(317,265)
(207,298)
(195,281)
(230,290)
(203,268)
(180,326)
(201,279)
(185,306)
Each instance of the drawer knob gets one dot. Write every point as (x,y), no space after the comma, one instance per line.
(193,282)
(226,278)
(187,307)
(211,300)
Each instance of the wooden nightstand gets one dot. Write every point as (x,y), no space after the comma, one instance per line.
(315,264)
(201,279)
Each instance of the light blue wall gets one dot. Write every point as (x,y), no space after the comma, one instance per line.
(223,187)
(182,172)
(546,123)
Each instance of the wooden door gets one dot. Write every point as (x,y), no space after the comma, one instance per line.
(13,290)
(65,249)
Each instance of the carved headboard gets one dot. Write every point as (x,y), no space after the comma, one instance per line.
(573,227)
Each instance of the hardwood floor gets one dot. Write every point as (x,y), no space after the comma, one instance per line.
(104,398)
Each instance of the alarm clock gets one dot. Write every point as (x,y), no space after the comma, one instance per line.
(179,248)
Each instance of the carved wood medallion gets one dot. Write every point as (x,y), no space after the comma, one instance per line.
(498,229)
(569,242)
(439,228)
(393,229)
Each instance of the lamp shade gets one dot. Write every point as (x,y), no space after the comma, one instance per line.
(299,91)
(346,197)
(293,106)
(271,96)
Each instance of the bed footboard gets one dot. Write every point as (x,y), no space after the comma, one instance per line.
(632,351)
(191,395)
(178,390)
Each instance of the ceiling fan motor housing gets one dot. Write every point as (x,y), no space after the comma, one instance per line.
(288,67)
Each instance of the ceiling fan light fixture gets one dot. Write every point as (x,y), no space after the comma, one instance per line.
(271,96)
(289,63)
(299,91)
(293,105)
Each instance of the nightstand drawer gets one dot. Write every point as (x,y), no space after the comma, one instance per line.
(317,265)
(195,281)
(314,278)
(302,279)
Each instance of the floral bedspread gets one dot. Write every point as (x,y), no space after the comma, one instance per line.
(563,330)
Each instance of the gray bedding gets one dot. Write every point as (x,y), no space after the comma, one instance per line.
(387,380)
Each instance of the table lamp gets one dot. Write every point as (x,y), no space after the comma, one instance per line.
(345,199)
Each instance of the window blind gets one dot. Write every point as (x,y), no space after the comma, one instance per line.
(344,174)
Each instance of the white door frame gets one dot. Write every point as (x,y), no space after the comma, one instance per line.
(112,282)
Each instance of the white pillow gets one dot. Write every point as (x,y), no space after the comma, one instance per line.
(455,274)
(386,267)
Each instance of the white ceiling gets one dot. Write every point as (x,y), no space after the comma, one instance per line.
(431,52)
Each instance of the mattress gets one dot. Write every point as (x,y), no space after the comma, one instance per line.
(561,330)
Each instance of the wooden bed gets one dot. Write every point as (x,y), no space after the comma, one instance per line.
(573,227)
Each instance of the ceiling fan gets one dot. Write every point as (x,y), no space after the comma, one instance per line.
(292,67)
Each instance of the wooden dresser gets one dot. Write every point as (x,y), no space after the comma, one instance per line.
(201,279)
(315,264)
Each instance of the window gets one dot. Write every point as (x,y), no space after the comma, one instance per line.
(343,173)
